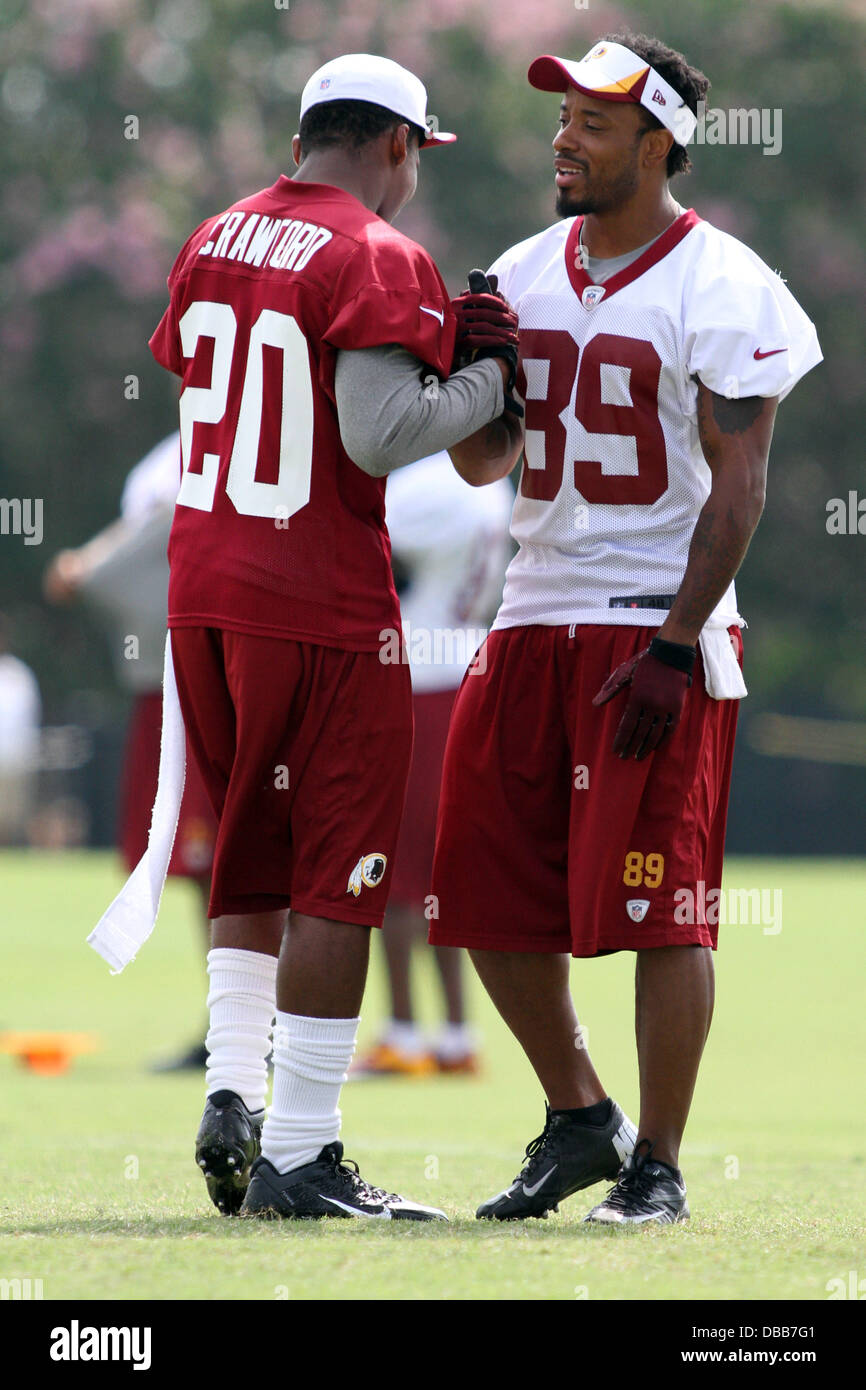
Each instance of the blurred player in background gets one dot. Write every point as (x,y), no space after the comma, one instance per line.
(122,574)
(449,549)
(576,816)
(20,719)
(313,342)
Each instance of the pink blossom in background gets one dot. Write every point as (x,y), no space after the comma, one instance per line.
(78,240)
(176,154)
(834,259)
(75,14)
(310,20)
(42,266)
(86,233)
(513,30)
(138,41)
(242,148)
(353,30)
(116,227)
(728,217)
(18,331)
(416,222)
(516,30)
(413,51)
(70,52)
(136,258)
(127,246)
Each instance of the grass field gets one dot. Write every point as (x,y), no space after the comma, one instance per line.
(100,1197)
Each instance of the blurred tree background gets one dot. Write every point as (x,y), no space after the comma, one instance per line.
(95,207)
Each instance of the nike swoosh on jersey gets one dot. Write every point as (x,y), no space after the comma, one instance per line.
(531,1191)
(759,356)
(437,313)
(383,1215)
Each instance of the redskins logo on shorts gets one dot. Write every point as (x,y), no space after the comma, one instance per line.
(370,869)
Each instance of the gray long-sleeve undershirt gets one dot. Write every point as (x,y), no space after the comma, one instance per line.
(388,415)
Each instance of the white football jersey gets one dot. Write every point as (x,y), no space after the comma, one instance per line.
(153,482)
(129,586)
(614,476)
(20,714)
(452,542)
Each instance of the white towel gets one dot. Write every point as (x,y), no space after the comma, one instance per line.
(130,919)
(722,675)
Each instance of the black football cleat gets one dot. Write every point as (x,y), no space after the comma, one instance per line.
(567,1156)
(228,1140)
(326,1187)
(647,1190)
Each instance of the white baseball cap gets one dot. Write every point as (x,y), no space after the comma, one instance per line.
(611,71)
(366,77)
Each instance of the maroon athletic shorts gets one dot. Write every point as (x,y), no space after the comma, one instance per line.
(548,842)
(192,854)
(305,753)
(413,864)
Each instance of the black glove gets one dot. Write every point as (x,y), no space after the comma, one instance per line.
(659,677)
(486,327)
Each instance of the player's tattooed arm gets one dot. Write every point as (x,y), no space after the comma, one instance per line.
(735,437)
(491,452)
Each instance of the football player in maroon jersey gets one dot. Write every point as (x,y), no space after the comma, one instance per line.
(313,343)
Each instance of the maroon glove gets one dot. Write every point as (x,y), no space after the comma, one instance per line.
(484,320)
(659,677)
(486,327)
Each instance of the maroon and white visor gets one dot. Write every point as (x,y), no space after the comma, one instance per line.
(613,72)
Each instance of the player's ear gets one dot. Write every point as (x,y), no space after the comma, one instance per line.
(656,147)
(297,156)
(400,143)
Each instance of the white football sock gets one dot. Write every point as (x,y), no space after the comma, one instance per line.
(405,1037)
(454,1041)
(311,1058)
(242,1002)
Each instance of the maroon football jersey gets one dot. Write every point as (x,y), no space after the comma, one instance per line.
(276,530)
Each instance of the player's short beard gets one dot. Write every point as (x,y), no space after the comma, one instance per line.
(604,195)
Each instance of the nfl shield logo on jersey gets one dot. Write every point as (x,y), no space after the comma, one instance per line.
(592,295)
(369,869)
(637,908)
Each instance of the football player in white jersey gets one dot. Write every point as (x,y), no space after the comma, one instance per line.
(586,777)
(122,575)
